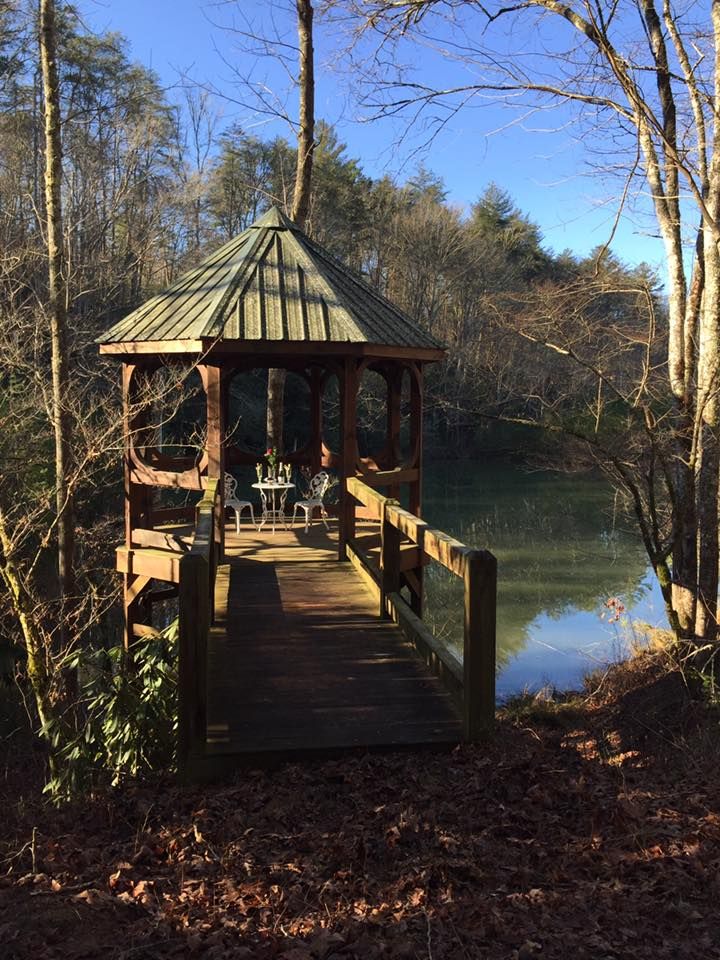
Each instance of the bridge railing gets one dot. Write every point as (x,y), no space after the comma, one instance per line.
(196,590)
(471,680)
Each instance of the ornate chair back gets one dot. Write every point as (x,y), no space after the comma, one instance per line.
(318,485)
(230,487)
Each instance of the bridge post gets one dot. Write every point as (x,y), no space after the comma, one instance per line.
(480,576)
(389,559)
(194,625)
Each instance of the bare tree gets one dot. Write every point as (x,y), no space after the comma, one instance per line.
(57,302)
(202,124)
(301,194)
(651,76)
(306,128)
(65,264)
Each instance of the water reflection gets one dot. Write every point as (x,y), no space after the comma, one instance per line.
(562,550)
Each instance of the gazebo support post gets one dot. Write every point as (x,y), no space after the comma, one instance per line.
(316,423)
(138,504)
(349,453)
(416,437)
(393,377)
(215,398)
(416,445)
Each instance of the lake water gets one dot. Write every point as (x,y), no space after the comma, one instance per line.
(562,548)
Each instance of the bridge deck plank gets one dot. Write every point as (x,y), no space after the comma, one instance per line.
(299,661)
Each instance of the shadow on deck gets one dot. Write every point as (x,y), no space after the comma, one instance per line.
(299,662)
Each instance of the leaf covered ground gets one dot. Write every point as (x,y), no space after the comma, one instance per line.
(587,830)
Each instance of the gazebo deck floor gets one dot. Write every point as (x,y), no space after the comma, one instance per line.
(299,662)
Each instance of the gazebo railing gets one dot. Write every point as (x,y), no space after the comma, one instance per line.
(405,542)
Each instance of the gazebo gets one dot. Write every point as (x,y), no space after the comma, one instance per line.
(282,650)
(272,298)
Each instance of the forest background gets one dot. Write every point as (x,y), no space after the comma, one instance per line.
(150,186)
(152,182)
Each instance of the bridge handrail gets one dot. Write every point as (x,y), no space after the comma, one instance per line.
(472,681)
(196,589)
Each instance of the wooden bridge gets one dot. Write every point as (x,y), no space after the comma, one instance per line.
(286,652)
(292,644)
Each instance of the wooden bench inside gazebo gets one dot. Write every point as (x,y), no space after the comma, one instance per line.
(293,643)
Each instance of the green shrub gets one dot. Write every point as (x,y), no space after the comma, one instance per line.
(129,710)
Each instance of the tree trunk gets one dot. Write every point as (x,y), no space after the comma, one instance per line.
(708,379)
(306,133)
(57,293)
(709,414)
(707,487)
(685,552)
(301,197)
(275,407)
(23,608)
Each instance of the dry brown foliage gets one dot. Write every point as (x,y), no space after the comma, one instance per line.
(586,834)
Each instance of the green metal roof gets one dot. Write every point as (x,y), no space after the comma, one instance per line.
(271,283)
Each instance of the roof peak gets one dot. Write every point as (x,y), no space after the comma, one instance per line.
(272,283)
(275,219)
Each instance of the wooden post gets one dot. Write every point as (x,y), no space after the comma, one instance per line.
(349,454)
(212,555)
(316,419)
(133,587)
(417,586)
(194,625)
(416,440)
(393,376)
(137,502)
(389,559)
(479,645)
(215,394)
(416,437)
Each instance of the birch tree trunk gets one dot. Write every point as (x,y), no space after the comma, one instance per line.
(301,195)
(708,351)
(57,310)
(306,133)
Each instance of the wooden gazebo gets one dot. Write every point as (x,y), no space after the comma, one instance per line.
(273,298)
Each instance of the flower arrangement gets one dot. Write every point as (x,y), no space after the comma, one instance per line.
(271,455)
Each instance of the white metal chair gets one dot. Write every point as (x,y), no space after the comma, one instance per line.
(318,487)
(232,502)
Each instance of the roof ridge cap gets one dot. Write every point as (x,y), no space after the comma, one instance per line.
(274,219)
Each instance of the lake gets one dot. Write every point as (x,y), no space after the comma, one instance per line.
(563,549)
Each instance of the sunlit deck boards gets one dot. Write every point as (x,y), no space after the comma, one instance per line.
(299,660)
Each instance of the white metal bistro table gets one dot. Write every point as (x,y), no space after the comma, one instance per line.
(272,509)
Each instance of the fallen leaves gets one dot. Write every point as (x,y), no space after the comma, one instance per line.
(546,844)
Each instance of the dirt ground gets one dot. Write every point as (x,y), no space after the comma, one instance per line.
(587,829)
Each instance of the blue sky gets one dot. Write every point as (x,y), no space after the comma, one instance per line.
(542,167)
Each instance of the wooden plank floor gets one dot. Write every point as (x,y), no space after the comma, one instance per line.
(299,660)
